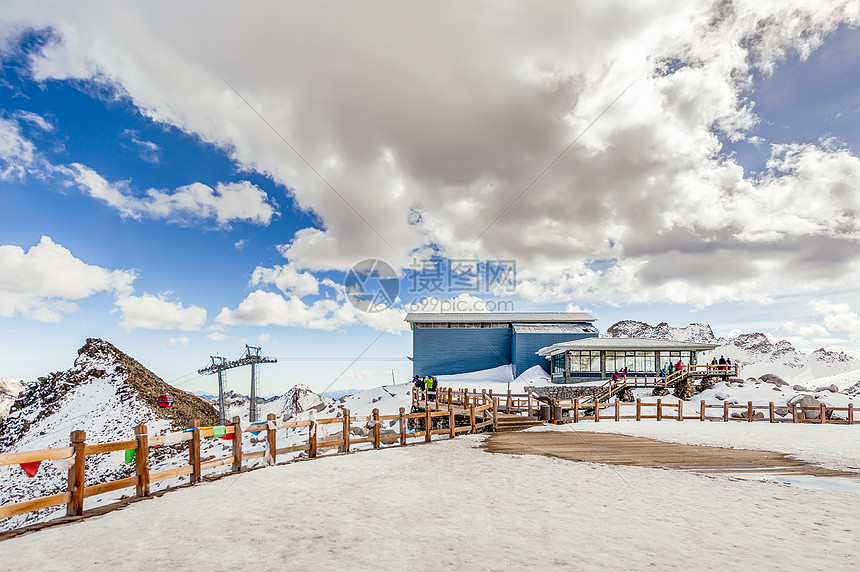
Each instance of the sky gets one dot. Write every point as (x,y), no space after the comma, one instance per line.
(182,180)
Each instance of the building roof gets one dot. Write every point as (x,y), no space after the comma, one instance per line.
(574,328)
(617,344)
(499,317)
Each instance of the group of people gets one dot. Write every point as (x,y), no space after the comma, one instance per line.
(669,368)
(427,382)
(723,363)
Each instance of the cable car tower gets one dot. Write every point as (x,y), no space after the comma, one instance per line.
(219,364)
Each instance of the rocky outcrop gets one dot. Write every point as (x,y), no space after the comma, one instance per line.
(773,378)
(806,401)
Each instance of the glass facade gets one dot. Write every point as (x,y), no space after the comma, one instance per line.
(634,361)
(558,363)
(668,359)
(584,360)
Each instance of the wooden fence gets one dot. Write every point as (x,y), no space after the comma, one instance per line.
(447,422)
(576,409)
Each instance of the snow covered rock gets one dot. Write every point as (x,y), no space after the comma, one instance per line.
(696,333)
(10,389)
(807,401)
(300,398)
(773,378)
(831,388)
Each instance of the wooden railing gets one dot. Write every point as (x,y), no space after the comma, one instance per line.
(422,424)
(574,410)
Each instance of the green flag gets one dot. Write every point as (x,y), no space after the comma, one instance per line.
(219,431)
(129,455)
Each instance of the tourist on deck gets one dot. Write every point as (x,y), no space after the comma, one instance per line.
(678,366)
(663,371)
(614,376)
(624,372)
(722,363)
(430,385)
(728,364)
(416,381)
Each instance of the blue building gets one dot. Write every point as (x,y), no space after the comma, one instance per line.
(448,343)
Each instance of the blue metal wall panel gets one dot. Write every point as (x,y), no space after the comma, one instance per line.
(526,344)
(444,351)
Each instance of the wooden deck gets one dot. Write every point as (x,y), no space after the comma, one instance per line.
(613,449)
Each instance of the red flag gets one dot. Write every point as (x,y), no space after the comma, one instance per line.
(227,437)
(31,468)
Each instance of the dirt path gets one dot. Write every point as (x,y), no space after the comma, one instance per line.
(613,449)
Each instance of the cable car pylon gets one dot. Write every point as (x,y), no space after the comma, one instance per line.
(218,365)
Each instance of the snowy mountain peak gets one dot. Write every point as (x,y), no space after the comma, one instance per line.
(694,333)
(104,389)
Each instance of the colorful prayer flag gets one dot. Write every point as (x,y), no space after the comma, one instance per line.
(129,455)
(31,468)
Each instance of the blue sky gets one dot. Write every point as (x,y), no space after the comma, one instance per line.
(180,224)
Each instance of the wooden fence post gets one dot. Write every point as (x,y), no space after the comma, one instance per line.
(141,461)
(403,426)
(770,410)
(702,410)
(725,410)
(312,439)
(530,401)
(347,428)
(451,401)
(76,474)
(272,437)
(465,398)
(376,441)
(194,452)
(659,410)
(508,403)
(576,410)
(472,418)
(617,409)
(851,413)
(496,412)
(451,421)
(823,415)
(750,411)
(596,411)
(680,410)
(794,412)
(428,424)
(638,410)
(483,397)
(237,444)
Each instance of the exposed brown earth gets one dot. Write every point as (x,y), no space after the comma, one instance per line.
(612,449)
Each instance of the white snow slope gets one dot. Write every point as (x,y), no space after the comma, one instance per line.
(9,390)
(443,506)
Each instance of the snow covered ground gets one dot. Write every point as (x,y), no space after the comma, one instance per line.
(499,379)
(449,504)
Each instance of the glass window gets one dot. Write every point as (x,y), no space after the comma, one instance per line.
(558,363)
(584,360)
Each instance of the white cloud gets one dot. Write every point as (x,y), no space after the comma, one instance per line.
(17,153)
(157,313)
(287,279)
(261,308)
(263,338)
(240,244)
(34,119)
(180,341)
(838,317)
(43,282)
(226,203)
(643,208)
(148,151)
(217,336)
